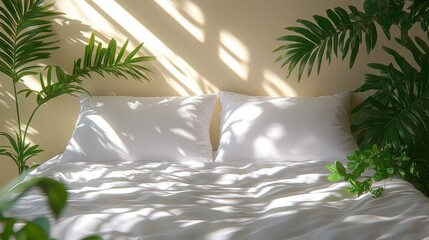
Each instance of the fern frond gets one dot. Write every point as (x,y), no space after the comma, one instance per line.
(105,61)
(64,84)
(309,45)
(27,30)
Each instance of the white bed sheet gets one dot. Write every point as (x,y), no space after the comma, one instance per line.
(215,201)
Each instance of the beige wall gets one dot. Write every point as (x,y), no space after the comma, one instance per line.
(202,46)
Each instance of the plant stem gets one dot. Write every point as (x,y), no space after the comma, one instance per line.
(18,117)
(29,121)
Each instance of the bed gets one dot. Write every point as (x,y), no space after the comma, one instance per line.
(143,168)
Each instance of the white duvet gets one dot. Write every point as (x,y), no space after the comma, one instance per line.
(215,201)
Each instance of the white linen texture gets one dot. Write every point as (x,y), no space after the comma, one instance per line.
(261,128)
(141,169)
(143,129)
(222,201)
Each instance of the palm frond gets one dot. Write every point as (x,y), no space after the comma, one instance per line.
(387,13)
(419,11)
(398,111)
(104,60)
(19,151)
(64,84)
(316,41)
(6,151)
(26,38)
(26,35)
(12,151)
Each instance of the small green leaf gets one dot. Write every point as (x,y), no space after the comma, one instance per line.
(93,238)
(351,189)
(44,224)
(331,168)
(334,177)
(340,168)
(55,192)
(7,227)
(376,192)
(374,148)
(32,231)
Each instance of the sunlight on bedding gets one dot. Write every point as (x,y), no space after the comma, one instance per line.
(269,171)
(187,14)
(113,191)
(113,140)
(134,105)
(240,128)
(189,223)
(267,142)
(221,234)
(227,179)
(219,201)
(296,200)
(73,146)
(86,174)
(367,219)
(183,133)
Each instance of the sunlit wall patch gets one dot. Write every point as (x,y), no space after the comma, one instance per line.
(181,71)
(274,85)
(3,94)
(85,11)
(234,54)
(187,14)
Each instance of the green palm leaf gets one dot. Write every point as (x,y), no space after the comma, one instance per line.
(65,84)
(25,36)
(420,13)
(386,13)
(398,111)
(326,36)
(104,60)
(19,151)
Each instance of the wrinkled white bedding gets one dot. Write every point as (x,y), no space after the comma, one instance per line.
(215,201)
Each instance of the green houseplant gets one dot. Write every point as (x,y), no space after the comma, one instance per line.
(40,227)
(396,113)
(25,39)
(37,228)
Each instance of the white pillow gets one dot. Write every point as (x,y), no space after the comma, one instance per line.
(142,129)
(256,128)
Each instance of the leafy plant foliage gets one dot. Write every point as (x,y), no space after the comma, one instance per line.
(397,112)
(383,162)
(38,228)
(25,39)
